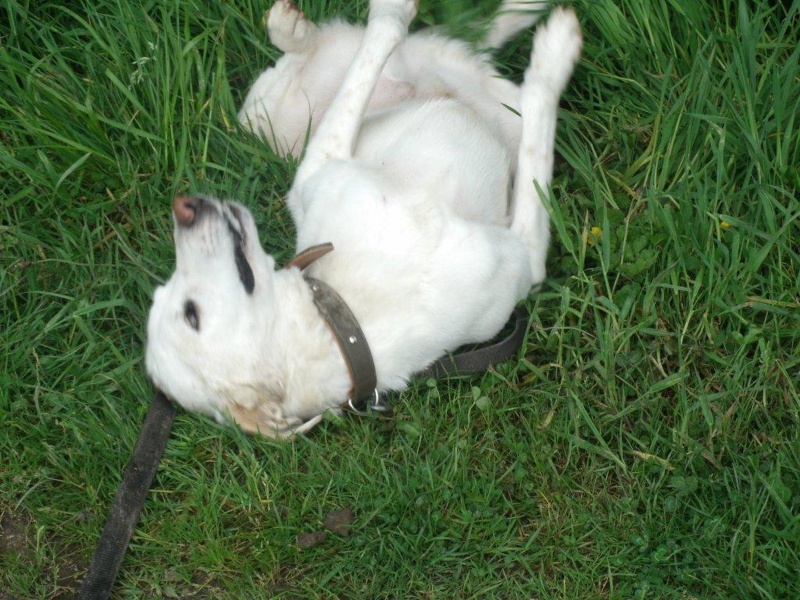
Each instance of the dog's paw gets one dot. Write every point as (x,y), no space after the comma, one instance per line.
(401,12)
(288,28)
(556,48)
(513,17)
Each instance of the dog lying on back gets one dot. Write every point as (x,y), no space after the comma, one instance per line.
(413,142)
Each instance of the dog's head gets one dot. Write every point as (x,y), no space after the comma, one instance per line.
(209,326)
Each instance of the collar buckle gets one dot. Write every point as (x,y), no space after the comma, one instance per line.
(373,406)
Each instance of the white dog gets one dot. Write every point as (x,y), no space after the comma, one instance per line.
(413,144)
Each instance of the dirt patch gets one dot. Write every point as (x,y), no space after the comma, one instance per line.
(339,521)
(309,540)
(16,538)
(336,521)
(71,569)
(14,532)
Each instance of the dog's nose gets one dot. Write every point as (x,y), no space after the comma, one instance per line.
(185,209)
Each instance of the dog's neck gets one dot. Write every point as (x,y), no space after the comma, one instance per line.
(309,363)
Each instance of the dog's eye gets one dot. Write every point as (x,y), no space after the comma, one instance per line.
(191,315)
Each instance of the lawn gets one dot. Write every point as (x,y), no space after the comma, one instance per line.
(645,444)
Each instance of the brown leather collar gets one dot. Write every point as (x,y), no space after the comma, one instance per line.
(352,342)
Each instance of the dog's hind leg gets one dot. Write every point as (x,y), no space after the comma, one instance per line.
(476,84)
(336,135)
(512,18)
(288,28)
(556,49)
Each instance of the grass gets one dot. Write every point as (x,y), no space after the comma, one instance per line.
(645,445)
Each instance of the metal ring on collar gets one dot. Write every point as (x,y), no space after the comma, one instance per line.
(378,405)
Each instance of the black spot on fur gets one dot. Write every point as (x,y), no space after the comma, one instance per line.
(245,272)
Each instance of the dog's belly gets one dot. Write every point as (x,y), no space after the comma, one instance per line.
(441,151)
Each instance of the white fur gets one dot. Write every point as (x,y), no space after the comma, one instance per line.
(407,173)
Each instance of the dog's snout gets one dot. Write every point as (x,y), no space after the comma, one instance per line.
(185,209)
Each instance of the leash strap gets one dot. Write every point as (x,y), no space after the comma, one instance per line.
(124,514)
(484,356)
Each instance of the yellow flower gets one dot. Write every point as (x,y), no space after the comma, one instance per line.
(724,225)
(595,235)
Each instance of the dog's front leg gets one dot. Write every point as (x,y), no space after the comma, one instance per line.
(336,135)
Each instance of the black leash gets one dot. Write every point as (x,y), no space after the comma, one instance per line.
(138,475)
(483,356)
(124,514)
